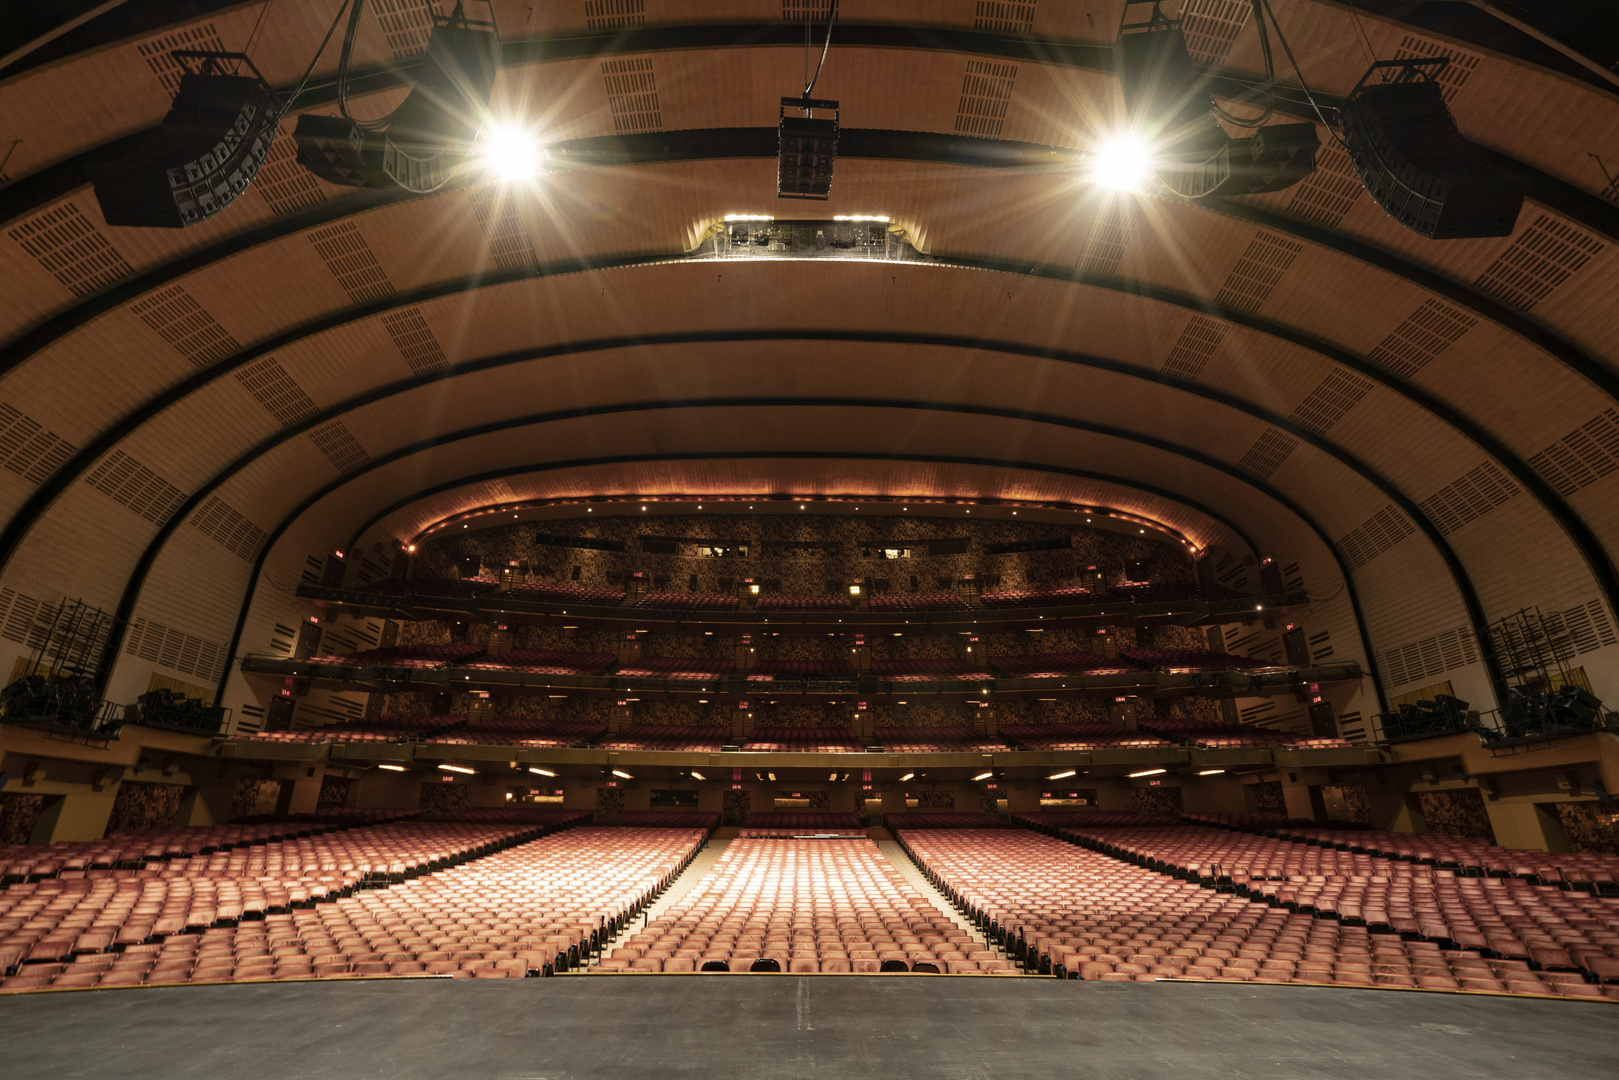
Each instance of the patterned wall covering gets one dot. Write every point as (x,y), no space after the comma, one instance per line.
(934,800)
(1163,802)
(737,806)
(1348,802)
(334,790)
(609,801)
(141,805)
(1266,797)
(1459,812)
(442,798)
(253,797)
(1591,826)
(818,800)
(18,812)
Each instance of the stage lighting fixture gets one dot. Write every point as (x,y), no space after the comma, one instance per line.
(1416,165)
(202,156)
(1123,163)
(432,132)
(807,148)
(509,152)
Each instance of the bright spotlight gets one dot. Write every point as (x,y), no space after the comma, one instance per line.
(511,153)
(1122,163)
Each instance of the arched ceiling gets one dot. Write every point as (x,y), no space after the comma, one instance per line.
(189,415)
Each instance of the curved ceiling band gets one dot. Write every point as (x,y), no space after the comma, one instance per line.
(1591,550)
(1265,489)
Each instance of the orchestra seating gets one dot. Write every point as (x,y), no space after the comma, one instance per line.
(769,669)
(1214,735)
(1491,933)
(802,906)
(924,602)
(927,670)
(522,731)
(1017,598)
(549,592)
(449,588)
(662,819)
(546,662)
(1057,665)
(675,667)
(803,740)
(802,820)
(942,819)
(929,740)
(803,603)
(1190,659)
(680,601)
(688,737)
(1080,735)
(384,729)
(420,656)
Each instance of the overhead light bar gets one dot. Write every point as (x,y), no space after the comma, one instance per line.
(907,776)
(459,769)
(622,775)
(749,217)
(860,217)
(393,768)
(985,775)
(1210,772)
(695,775)
(536,770)
(1147,772)
(1061,775)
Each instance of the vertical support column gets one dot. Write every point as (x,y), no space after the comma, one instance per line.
(1527,825)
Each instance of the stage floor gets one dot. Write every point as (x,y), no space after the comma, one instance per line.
(770,1026)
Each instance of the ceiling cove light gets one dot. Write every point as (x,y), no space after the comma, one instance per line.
(1061,775)
(984,775)
(1147,772)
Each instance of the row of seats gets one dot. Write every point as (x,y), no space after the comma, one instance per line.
(920,602)
(1081,735)
(1083,914)
(803,906)
(803,740)
(546,592)
(679,601)
(803,603)
(935,740)
(682,737)
(421,656)
(1214,735)
(547,662)
(764,669)
(455,589)
(384,729)
(1015,598)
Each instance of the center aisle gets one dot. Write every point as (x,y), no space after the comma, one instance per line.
(804,906)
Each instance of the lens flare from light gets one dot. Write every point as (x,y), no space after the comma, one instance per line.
(511,152)
(1122,163)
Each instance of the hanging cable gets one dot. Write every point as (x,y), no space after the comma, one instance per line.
(303,82)
(1270,79)
(831,17)
(1287,49)
(349,35)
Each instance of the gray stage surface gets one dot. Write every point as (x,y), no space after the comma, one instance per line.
(769,1026)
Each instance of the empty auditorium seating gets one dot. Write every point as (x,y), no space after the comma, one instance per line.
(802,906)
(925,602)
(803,740)
(1080,735)
(547,592)
(420,656)
(463,589)
(1015,598)
(803,603)
(1148,593)
(1055,665)
(927,670)
(522,731)
(662,819)
(929,740)
(546,662)
(801,820)
(381,730)
(1213,734)
(1184,660)
(769,669)
(675,667)
(941,819)
(688,737)
(679,601)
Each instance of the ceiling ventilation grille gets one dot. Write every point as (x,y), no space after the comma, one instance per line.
(632,95)
(285,185)
(158,52)
(1468,498)
(613,14)
(1320,646)
(1429,331)
(1258,272)
(63,241)
(185,324)
(414,339)
(339,445)
(1429,657)
(796,11)
(1211,28)
(226,526)
(175,649)
(17,614)
(1107,239)
(1339,392)
(1587,626)
(1330,192)
(1194,348)
(273,388)
(1543,256)
(132,484)
(351,262)
(986,91)
(27,449)
(1454,75)
(406,24)
(1380,532)
(1004,17)
(503,228)
(1267,454)
(1583,456)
